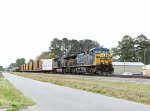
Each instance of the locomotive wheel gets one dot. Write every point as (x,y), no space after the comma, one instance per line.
(100,73)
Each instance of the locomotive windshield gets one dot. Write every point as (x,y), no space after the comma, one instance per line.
(107,51)
(99,51)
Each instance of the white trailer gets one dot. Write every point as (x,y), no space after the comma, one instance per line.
(47,64)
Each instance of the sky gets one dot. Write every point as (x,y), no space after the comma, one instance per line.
(28,26)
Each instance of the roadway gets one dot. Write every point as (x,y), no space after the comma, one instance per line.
(50,97)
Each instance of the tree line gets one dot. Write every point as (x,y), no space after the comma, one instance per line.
(18,62)
(61,47)
(131,49)
(65,46)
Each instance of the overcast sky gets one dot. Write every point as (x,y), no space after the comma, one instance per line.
(28,26)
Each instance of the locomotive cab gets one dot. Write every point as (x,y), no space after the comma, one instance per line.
(103,58)
(103,61)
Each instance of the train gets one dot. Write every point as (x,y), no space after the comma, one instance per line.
(94,61)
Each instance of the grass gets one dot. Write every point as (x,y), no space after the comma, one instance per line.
(9,96)
(129,91)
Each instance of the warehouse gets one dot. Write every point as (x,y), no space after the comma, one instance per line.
(131,67)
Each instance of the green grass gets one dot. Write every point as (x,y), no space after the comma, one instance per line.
(9,96)
(129,91)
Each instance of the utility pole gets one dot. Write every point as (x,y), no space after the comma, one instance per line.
(124,65)
(144,57)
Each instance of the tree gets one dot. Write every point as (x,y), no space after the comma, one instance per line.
(74,47)
(133,49)
(88,44)
(125,49)
(45,55)
(55,47)
(12,65)
(1,68)
(142,48)
(31,60)
(19,62)
(66,47)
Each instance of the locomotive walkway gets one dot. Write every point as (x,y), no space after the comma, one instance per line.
(49,97)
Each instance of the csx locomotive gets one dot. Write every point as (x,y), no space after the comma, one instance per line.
(95,61)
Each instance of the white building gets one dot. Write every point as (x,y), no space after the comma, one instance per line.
(146,70)
(131,67)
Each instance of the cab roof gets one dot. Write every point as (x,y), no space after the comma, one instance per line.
(100,49)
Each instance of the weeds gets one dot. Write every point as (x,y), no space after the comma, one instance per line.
(9,96)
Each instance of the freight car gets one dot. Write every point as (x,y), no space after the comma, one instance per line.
(95,61)
(43,65)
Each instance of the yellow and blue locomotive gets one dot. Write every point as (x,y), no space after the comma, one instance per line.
(95,61)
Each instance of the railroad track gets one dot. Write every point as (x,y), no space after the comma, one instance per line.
(114,75)
(136,79)
(130,76)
